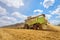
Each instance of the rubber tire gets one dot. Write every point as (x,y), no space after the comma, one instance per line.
(36,26)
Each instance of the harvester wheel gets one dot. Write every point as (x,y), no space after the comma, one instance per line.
(37,26)
(26,26)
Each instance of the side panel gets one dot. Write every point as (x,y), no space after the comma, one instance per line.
(41,20)
(31,21)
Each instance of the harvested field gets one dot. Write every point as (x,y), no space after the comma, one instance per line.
(24,34)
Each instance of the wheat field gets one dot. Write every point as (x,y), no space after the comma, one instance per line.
(28,34)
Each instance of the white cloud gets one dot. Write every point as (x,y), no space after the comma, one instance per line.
(13,3)
(56,11)
(19,15)
(58,16)
(38,10)
(16,14)
(48,3)
(3,11)
(4,23)
(6,20)
(48,16)
(55,22)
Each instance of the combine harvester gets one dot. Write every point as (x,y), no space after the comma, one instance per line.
(39,23)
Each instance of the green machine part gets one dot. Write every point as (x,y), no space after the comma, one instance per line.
(40,20)
(31,21)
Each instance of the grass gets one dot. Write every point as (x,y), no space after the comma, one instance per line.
(24,34)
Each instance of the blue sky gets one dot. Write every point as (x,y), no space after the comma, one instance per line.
(16,11)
